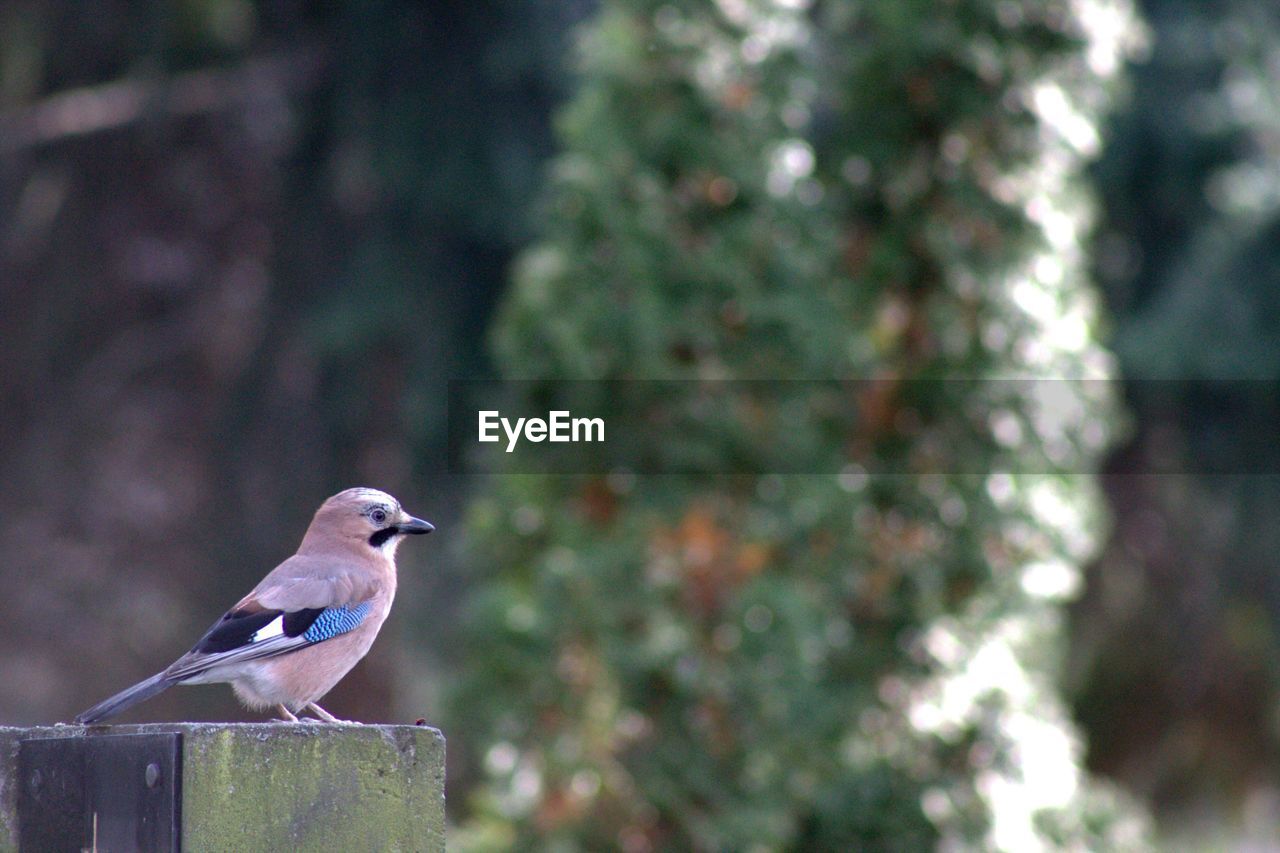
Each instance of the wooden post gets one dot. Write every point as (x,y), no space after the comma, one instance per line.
(222,786)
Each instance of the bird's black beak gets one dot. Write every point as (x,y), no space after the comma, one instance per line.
(415,525)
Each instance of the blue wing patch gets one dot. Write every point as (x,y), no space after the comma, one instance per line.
(333,621)
(242,636)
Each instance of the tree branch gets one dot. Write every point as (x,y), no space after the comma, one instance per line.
(110,106)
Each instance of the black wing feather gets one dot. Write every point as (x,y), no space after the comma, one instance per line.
(231,640)
(237,627)
(234,630)
(297,621)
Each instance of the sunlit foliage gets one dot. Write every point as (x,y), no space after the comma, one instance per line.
(826,661)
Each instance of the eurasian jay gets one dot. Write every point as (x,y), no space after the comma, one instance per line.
(307,623)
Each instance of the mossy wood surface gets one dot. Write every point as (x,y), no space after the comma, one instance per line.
(275,786)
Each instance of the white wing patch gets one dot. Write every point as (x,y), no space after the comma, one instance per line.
(274,628)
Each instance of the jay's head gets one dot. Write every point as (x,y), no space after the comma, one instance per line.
(366,518)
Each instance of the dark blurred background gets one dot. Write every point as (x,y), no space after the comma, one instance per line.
(243,247)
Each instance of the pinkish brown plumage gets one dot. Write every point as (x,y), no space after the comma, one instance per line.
(307,623)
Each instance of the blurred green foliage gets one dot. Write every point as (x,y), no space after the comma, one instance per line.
(810,662)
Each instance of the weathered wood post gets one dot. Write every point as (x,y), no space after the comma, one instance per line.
(222,786)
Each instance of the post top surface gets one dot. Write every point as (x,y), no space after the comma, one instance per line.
(305,727)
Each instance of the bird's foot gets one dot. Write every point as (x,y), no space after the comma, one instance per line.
(325,715)
(286,716)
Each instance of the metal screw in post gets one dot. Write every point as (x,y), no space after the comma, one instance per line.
(153,775)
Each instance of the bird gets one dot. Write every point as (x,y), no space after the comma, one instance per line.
(306,624)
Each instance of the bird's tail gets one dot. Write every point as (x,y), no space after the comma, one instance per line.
(139,692)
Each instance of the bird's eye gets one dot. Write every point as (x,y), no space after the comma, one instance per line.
(378,516)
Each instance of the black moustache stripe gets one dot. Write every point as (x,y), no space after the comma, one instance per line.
(380,538)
